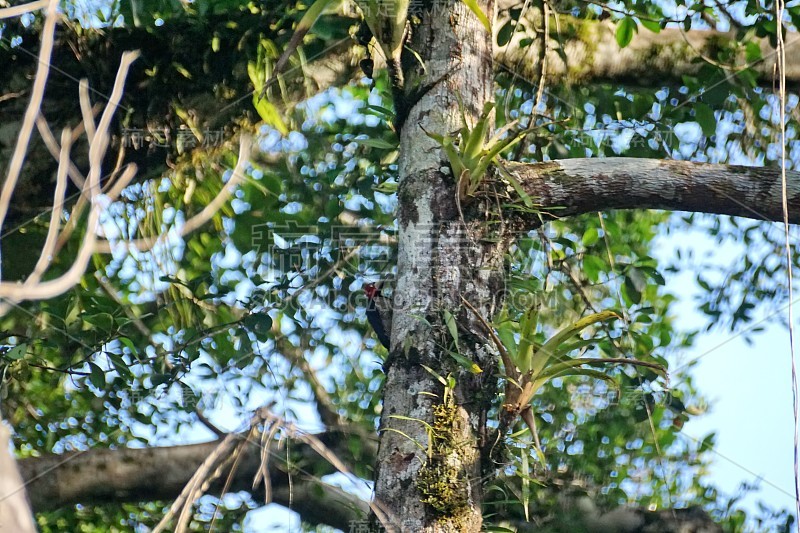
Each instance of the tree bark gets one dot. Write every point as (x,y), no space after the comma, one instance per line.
(574,186)
(431,437)
(103,476)
(591,54)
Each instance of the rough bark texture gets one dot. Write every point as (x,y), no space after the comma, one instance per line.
(575,186)
(131,475)
(152,474)
(591,54)
(430,481)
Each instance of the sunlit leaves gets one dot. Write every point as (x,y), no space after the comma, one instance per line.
(17,352)
(625,30)
(705,117)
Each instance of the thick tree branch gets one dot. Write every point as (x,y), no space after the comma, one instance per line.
(128,475)
(592,54)
(575,186)
(628,519)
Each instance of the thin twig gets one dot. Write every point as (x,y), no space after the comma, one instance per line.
(511,369)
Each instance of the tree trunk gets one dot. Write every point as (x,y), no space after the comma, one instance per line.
(429,459)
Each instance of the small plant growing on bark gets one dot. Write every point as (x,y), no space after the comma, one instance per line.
(470,154)
(529,365)
(441,481)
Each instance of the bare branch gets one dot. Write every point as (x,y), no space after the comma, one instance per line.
(50,142)
(24,137)
(15,11)
(574,186)
(203,216)
(86,110)
(15,512)
(46,255)
(100,476)
(98,134)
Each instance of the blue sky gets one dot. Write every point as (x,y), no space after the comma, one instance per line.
(749,386)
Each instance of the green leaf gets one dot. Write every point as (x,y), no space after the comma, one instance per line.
(380,111)
(590,236)
(473,6)
(526,199)
(572,367)
(129,344)
(506,335)
(269,113)
(631,291)
(377,143)
(96,376)
(652,25)
(466,363)
(433,373)
(103,321)
(552,348)
(505,33)
(456,164)
(473,144)
(557,372)
(452,327)
(159,379)
(705,117)
(592,266)
(708,443)
(527,330)
(654,274)
(567,348)
(260,324)
(625,30)
(120,366)
(183,71)
(525,474)
(17,352)
(495,150)
(752,52)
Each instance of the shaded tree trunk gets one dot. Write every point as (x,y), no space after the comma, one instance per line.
(430,456)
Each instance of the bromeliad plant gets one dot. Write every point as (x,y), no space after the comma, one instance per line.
(529,365)
(470,154)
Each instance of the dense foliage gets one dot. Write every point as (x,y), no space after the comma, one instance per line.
(264,302)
